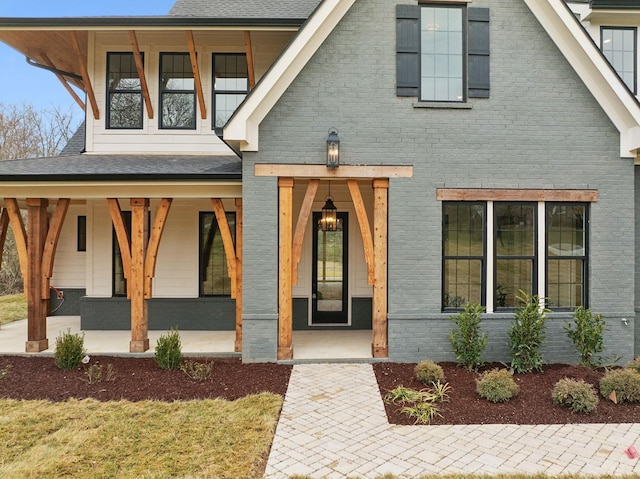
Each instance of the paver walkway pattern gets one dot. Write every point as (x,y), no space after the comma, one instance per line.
(333,425)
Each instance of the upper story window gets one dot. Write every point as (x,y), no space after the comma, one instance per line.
(442,52)
(618,44)
(230,86)
(124,93)
(177,92)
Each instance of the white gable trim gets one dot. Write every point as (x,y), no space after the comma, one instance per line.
(244,125)
(555,17)
(585,58)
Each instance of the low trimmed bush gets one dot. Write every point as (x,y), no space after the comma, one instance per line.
(577,395)
(625,382)
(635,365)
(429,372)
(169,350)
(496,385)
(69,350)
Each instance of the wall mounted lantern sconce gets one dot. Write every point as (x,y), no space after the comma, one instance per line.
(333,149)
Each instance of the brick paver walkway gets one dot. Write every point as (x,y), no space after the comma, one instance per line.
(333,425)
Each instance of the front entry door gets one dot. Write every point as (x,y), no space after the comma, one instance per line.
(329,288)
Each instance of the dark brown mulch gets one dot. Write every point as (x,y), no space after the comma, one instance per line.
(533,405)
(137,379)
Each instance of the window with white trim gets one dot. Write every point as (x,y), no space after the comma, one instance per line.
(492,250)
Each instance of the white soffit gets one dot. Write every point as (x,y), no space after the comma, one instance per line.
(585,58)
(244,125)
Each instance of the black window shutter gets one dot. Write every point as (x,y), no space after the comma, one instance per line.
(408,50)
(479,47)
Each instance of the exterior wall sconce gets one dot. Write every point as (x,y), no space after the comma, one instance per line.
(329,221)
(333,149)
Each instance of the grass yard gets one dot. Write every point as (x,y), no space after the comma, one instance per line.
(90,439)
(12,308)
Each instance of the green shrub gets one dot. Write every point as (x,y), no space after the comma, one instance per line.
(429,372)
(587,335)
(526,334)
(69,350)
(169,350)
(196,370)
(496,385)
(577,395)
(635,365)
(625,382)
(467,340)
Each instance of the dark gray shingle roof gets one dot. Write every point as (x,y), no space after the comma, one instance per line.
(122,167)
(244,8)
(75,145)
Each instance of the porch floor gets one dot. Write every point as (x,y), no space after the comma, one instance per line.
(308,345)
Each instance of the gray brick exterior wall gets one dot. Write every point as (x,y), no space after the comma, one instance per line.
(541,128)
(259,339)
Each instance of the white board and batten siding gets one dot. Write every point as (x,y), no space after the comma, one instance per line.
(151,139)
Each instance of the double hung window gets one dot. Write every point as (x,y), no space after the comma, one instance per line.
(214,277)
(177,92)
(124,93)
(493,250)
(230,86)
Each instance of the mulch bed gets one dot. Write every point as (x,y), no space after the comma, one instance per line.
(533,404)
(137,379)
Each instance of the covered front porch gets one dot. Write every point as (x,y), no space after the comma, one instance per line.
(310,345)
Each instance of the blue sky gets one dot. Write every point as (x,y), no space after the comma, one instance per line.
(21,83)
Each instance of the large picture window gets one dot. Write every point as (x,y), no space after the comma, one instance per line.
(618,44)
(177,92)
(492,250)
(214,275)
(230,86)
(124,93)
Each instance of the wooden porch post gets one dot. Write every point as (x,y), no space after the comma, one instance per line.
(380,210)
(238,343)
(139,305)
(36,306)
(285,288)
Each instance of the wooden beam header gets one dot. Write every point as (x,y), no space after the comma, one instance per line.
(343,171)
(480,194)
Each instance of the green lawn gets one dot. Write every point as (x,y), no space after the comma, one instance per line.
(142,440)
(12,308)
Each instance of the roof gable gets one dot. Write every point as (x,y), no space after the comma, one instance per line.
(242,131)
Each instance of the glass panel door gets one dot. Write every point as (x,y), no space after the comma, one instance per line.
(329,288)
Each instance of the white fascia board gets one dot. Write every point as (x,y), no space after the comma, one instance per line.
(245,123)
(585,58)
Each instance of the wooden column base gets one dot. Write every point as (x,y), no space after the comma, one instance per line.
(238,346)
(285,353)
(139,346)
(380,351)
(36,346)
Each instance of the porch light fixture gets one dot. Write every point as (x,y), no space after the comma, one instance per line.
(333,149)
(329,221)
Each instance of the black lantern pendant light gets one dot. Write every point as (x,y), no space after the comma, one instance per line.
(329,220)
